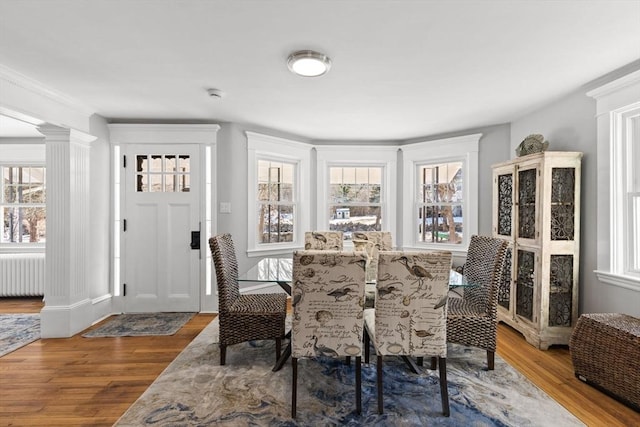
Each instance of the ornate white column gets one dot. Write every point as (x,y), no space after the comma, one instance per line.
(67,307)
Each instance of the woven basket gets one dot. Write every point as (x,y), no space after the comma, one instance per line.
(605,351)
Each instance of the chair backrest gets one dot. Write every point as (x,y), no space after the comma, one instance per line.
(224,258)
(323,240)
(411,303)
(328,303)
(381,239)
(485,267)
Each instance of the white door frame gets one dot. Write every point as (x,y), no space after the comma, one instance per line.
(204,135)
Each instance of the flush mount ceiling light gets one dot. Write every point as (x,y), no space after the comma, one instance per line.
(308,63)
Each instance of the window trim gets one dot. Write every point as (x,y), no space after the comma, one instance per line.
(458,149)
(359,156)
(265,147)
(22,157)
(614,100)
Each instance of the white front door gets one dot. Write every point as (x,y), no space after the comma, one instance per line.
(161,208)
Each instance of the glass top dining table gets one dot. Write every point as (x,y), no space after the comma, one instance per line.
(280,271)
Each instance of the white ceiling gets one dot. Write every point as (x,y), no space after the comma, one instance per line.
(401,69)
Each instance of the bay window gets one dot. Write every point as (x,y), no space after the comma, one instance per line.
(440,193)
(278,196)
(356,188)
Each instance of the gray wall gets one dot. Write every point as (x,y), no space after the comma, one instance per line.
(569,124)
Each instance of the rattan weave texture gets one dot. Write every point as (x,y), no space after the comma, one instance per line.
(473,319)
(243,317)
(605,351)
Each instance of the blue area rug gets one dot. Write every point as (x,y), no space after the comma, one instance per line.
(141,324)
(18,330)
(195,390)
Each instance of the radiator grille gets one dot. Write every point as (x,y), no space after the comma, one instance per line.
(21,275)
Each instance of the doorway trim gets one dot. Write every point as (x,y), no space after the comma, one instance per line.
(205,136)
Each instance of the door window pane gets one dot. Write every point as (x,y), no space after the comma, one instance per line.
(159,173)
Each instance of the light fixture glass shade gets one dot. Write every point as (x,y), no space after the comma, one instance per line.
(308,63)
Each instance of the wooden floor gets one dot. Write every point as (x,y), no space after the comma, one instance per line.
(91,382)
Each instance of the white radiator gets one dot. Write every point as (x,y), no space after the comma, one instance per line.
(21,275)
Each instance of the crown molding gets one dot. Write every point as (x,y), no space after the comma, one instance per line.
(13,78)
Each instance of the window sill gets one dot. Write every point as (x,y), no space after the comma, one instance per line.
(282,250)
(22,249)
(619,280)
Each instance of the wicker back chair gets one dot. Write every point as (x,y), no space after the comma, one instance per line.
(323,240)
(473,319)
(410,315)
(328,301)
(243,317)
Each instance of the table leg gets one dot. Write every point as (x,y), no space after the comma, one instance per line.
(287,351)
(284,356)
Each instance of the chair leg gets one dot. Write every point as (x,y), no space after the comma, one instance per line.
(359,384)
(278,348)
(223,354)
(379,383)
(294,385)
(434,362)
(444,393)
(490,360)
(367,343)
(347,360)
(420,361)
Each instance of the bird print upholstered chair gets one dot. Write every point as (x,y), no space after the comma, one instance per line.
(473,319)
(372,242)
(410,315)
(381,239)
(323,240)
(244,317)
(328,302)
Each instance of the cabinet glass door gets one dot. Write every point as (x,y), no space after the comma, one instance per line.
(505,204)
(527,203)
(504,290)
(525,281)
(563,203)
(560,290)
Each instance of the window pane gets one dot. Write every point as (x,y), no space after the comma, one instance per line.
(170,163)
(184,183)
(142,164)
(155,164)
(362,175)
(23,225)
(350,218)
(374,193)
(440,182)
(275,223)
(275,181)
(348,184)
(23,196)
(155,183)
(184,163)
(440,224)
